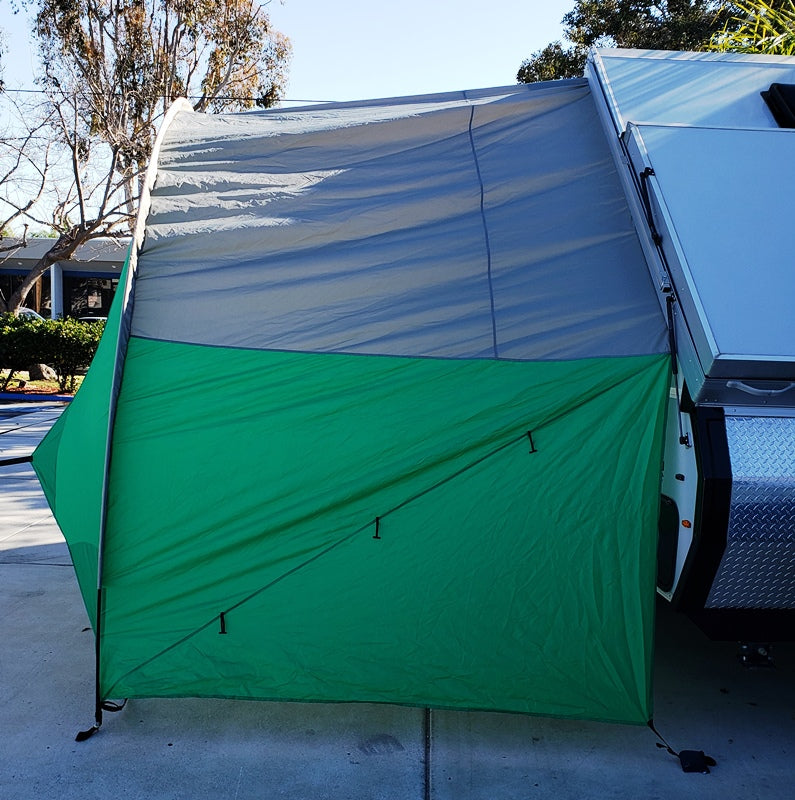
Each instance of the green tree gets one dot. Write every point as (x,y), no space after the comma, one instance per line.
(110,68)
(759,27)
(664,25)
(552,62)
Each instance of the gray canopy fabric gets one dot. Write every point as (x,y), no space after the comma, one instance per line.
(486,224)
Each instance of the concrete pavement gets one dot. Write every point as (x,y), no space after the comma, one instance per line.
(190,748)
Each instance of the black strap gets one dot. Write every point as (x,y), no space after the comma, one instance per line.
(662,743)
(644,193)
(670,299)
(105,705)
(8,462)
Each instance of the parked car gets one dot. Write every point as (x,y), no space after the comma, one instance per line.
(28,313)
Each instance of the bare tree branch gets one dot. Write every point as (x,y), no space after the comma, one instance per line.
(109,71)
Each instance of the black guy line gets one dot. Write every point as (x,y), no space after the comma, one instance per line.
(29,425)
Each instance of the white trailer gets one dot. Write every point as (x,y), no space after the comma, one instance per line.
(708,165)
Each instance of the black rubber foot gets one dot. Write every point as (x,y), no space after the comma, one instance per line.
(696,761)
(83,735)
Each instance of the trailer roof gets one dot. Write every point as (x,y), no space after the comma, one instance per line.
(719,170)
(719,90)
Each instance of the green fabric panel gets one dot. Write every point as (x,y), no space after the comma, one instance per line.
(70,460)
(502,579)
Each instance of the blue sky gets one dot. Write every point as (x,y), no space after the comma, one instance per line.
(358,49)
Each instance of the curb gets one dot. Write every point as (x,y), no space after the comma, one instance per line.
(27,397)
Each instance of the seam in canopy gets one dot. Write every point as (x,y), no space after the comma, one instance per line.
(485,229)
(333,546)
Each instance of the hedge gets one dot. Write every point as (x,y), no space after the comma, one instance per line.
(66,345)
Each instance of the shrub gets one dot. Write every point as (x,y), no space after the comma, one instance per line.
(67,345)
(18,344)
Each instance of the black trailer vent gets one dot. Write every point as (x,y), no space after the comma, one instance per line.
(780,99)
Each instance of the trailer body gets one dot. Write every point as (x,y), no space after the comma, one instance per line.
(708,171)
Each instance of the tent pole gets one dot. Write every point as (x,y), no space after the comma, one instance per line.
(88,733)
(97,694)
(122,339)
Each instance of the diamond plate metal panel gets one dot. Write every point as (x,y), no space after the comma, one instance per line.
(758,566)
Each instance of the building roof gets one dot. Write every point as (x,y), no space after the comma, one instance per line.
(103,255)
